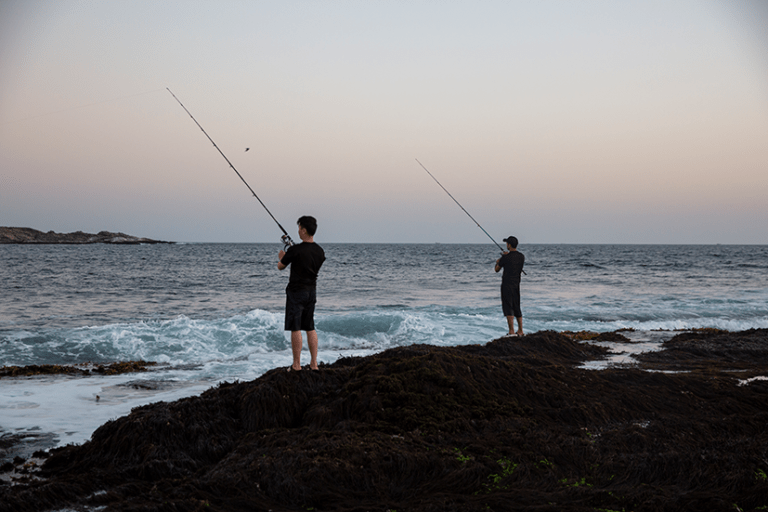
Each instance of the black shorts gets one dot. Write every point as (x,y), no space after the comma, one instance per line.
(300,310)
(510,301)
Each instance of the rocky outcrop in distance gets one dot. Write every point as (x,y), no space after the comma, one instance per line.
(34,236)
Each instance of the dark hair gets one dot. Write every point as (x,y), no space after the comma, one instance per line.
(309,223)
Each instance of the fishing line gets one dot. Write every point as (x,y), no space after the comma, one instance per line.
(285,238)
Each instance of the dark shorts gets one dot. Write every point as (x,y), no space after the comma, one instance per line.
(300,310)
(510,301)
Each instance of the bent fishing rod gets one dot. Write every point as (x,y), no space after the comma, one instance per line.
(285,238)
(465,211)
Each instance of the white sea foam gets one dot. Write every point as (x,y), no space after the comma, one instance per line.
(579,324)
(753,379)
(68,407)
(623,354)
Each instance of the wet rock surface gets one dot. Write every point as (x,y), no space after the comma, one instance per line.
(711,349)
(511,425)
(79,370)
(33,236)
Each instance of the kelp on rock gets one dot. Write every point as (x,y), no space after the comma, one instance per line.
(510,425)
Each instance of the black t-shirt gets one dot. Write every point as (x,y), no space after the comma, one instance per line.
(305,260)
(512,263)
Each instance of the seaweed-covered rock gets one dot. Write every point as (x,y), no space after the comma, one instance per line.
(82,369)
(711,348)
(510,425)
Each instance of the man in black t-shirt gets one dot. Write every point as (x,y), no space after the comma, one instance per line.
(305,259)
(512,262)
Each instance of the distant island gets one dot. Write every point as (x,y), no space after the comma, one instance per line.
(33,236)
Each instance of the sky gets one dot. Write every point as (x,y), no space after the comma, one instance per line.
(555,121)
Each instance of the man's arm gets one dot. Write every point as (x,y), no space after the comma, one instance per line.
(498,267)
(280,265)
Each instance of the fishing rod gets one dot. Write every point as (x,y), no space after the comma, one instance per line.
(465,211)
(454,200)
(287,242)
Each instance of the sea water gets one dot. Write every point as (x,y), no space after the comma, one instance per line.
(207,313)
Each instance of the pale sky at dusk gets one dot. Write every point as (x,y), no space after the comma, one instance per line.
(556,121)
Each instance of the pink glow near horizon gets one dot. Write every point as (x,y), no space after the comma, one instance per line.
(561,122)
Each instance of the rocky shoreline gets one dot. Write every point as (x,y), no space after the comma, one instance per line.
(85,369)
(509,425)
(10,235)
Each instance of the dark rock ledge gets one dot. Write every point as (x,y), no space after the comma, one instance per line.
(512,425)
(85,369)
(33,236)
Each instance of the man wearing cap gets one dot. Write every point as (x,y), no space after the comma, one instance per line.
(512,262)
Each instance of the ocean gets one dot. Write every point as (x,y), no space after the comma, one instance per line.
(208,313)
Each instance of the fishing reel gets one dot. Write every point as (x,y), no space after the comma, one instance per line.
(287,242)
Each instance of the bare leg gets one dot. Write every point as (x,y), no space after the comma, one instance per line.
(296,343)
(312,342)
(510,322)
(519,326)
